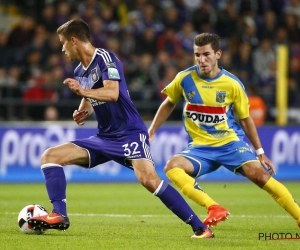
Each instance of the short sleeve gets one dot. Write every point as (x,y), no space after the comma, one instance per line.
(241,103)
(109,66)
(174,90)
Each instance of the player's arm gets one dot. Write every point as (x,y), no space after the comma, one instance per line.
(108,93)
(161,116)
(250,130)
(84,111)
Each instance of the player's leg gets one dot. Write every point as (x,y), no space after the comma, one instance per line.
(255,172)
(147,176)
(52,161)
(179,170)
(238,157)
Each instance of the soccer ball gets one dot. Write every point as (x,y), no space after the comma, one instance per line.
(26,213)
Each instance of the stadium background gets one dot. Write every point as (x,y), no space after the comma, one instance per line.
(154,40)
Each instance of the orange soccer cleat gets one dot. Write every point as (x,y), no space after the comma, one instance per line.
(49,221)
(202,233)
(216,214)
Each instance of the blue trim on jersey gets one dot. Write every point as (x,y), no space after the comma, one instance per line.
(210,79)
(183,120)
(230,116)
(238,130)
(231,122)
(190,139)
(208,128)
(188,86)
(225,72)
(189,69)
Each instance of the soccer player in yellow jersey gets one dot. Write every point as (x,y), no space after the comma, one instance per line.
(216,117)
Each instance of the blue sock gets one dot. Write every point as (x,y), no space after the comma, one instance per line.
(175,202)
(56,186)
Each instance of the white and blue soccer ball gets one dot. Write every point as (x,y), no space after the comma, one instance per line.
(26,213)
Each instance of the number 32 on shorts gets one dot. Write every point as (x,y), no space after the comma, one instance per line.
(131,149)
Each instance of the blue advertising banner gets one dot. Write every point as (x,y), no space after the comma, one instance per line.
(21,147)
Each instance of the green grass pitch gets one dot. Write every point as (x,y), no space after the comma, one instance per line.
(125,216)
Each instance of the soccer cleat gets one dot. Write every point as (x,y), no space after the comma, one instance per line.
(202,233)
(216,214)
(49,221)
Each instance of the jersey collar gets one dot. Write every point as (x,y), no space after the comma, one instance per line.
(95,52)
(210,79)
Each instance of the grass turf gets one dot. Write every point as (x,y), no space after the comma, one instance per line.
(126,216)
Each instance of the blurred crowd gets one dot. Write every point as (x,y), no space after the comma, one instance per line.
(153,39)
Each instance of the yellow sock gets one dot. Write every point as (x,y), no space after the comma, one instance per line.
(189,187)
(283,197)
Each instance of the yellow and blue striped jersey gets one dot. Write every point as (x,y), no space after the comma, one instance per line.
(209,106)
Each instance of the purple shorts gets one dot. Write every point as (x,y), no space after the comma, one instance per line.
(119,149)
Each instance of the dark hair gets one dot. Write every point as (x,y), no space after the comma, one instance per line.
(208,38)
(77,28)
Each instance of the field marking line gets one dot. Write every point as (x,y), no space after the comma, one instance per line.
(158,215)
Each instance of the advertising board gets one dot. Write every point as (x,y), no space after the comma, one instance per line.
(21,147)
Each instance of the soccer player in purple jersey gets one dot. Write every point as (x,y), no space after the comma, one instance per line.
(122,135)
(212,99)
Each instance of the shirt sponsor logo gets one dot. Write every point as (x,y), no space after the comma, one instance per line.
(205,115)
(95,102)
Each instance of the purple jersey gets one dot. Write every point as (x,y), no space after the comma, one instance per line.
(114,118)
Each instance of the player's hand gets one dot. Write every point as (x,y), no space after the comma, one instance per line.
(74,86)
(80,116)
(267,164)
(151,135)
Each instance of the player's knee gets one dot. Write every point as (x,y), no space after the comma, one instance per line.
(259,177)
(170,165)
(49,156)
(151,184)
(262,179)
